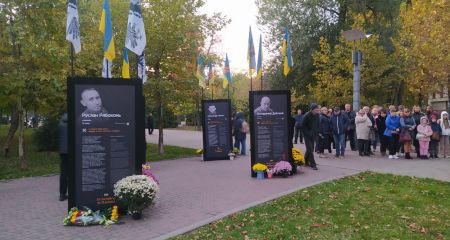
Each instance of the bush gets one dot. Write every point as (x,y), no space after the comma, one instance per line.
(46,137)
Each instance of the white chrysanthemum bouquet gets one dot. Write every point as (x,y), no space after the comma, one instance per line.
(137,192)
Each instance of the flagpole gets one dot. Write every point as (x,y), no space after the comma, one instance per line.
(261,81)
(72,58)
(251,82)
(137,66)
(107,68)
(212,91)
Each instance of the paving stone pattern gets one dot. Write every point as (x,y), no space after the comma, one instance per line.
(193,193)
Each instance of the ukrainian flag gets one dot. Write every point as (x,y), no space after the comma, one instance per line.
(200,73)
(125,64)
(210,75)
(286,52)
(226,74)
(251,53)
(260,59)
(106,29)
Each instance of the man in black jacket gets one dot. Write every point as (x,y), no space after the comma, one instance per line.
(310,128)
(350,133)
(62,148)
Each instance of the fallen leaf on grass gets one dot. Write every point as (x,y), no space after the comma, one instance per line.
(405,217)
(316,225)
(298,227)
(413,226)
(423,230)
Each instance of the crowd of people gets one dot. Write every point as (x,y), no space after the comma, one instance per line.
(397,130)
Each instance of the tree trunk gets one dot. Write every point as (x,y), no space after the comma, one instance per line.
(12,131)
(161,124)
(22,160)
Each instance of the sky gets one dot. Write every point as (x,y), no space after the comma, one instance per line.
(235,36)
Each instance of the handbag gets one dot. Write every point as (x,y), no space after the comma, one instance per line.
(436,136)
(405,135)
(419,136)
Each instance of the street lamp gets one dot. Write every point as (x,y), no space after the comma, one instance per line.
(352,36)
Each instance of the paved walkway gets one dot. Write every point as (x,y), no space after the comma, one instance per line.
(193,193)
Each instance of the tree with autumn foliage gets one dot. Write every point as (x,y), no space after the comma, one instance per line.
(424,47)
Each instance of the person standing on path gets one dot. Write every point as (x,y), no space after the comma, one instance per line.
(240,130)
(435,138)
(62,149)
(381,126)
(150,124)
(339,124)
(310,128)
(417,114)
(444,122)
(424,133)
(407,128)
(363,125)
(350,132)
(324,132)
(392,132)
(298,127)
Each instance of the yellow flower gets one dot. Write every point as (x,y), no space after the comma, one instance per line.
(259,167)
(114,214)
(73,218)
(199,151)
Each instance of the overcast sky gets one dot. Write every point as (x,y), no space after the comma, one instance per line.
(235,36)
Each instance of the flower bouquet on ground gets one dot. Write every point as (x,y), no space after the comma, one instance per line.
(299,159)
(282,168)
(232,155)
(146,171)
(199,152)
(259,168)
(136,192)
(236,150)
(85,217)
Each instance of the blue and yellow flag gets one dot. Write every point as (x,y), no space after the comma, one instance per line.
(251,53)
(200,72)
(210,75)
(286,52)
(125,64)
(226,74)
(107,30)
(260,59)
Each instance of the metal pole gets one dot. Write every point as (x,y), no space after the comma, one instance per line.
(72,58)
(251,82)
(137,67)
(212,91)
(107,68)
(261,81)
(356,59)
(228,91)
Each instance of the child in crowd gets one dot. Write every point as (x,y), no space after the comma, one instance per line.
(424,133)
(435,138)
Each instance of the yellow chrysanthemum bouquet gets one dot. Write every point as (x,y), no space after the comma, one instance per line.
(299,159)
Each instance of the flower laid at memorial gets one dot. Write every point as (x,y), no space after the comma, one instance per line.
(199,151)
(85,217)
(146,171)
(259,167)
(282,168)
(235,150)
(299,159)
(136,192)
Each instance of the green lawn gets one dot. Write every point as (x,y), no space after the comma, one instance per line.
(43,163)
(366,206)
(170,152)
